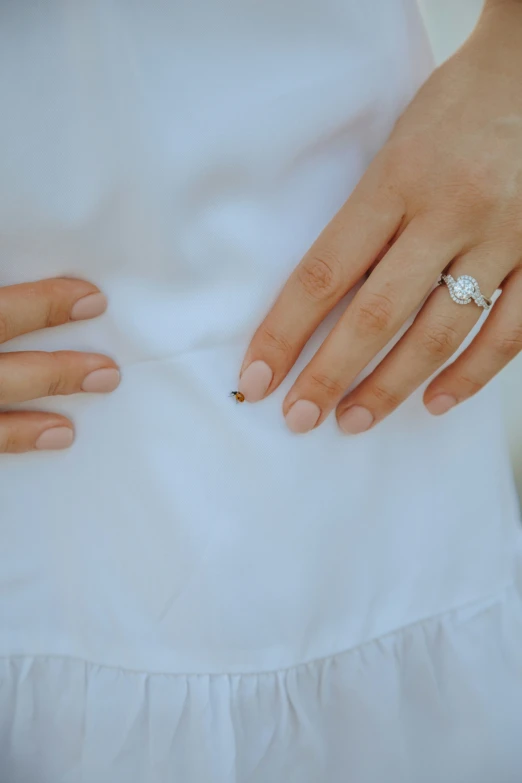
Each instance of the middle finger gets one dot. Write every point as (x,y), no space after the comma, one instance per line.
(437,332)
(33,374)
(383,304)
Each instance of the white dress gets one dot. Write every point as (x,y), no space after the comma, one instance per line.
(192,594)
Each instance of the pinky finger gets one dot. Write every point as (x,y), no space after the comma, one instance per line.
(497,343)
(30,431)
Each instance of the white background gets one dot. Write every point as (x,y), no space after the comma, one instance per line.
(449,22)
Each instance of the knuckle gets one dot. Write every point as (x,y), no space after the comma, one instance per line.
(60,382)
(385,397)
(4,328)
(55,387)
(320,276)
(439,340)
(275,341)
(9,441)
(469,383)
(57,303)
(508,345)
(3,390)
(326,385)
(374,315)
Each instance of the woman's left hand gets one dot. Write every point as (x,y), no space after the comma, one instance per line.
(444,193)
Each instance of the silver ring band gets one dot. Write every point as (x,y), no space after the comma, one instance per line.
(464,290)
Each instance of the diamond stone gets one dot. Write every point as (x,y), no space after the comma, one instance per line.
(464,288)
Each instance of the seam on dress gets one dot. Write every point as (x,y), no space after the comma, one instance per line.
(487,601)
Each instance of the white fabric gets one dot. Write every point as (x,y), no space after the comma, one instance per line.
(192,593)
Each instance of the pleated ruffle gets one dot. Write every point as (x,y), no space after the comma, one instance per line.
(436,702)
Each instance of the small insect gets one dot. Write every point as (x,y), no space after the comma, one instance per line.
(240,397)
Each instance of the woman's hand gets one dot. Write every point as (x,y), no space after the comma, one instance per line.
(445,193)
(29,375)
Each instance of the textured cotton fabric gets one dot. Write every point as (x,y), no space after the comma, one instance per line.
(192,593)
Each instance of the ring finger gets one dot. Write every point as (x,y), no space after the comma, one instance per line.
(497,343)
(437,332)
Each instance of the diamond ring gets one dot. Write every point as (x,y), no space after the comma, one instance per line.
(464,290)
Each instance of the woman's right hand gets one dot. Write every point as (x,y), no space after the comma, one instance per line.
(30,375)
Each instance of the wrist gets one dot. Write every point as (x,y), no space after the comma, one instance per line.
(497,39)
(506,9)
(502,3)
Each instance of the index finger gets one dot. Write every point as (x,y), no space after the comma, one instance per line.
(27,307)
(336,261)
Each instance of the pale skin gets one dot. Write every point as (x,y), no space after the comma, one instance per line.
(30,375)
(444,193)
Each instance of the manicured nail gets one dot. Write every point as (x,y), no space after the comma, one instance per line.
(88,307)
(55,438)
(441,404)
(255,380)
(302,416)
(355,420)
(101,381)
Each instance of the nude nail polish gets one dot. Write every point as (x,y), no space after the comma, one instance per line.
(440,404)
(88,307)
(101,381)
(356,420)
(255,381)
(302,416)
(54,439)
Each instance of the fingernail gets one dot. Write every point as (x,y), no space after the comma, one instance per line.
(88,307)
(255,380)
(302,416)
(355,420)
(101,381)
(55,438)
(441,404)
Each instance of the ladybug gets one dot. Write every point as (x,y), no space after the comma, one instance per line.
(240,397)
